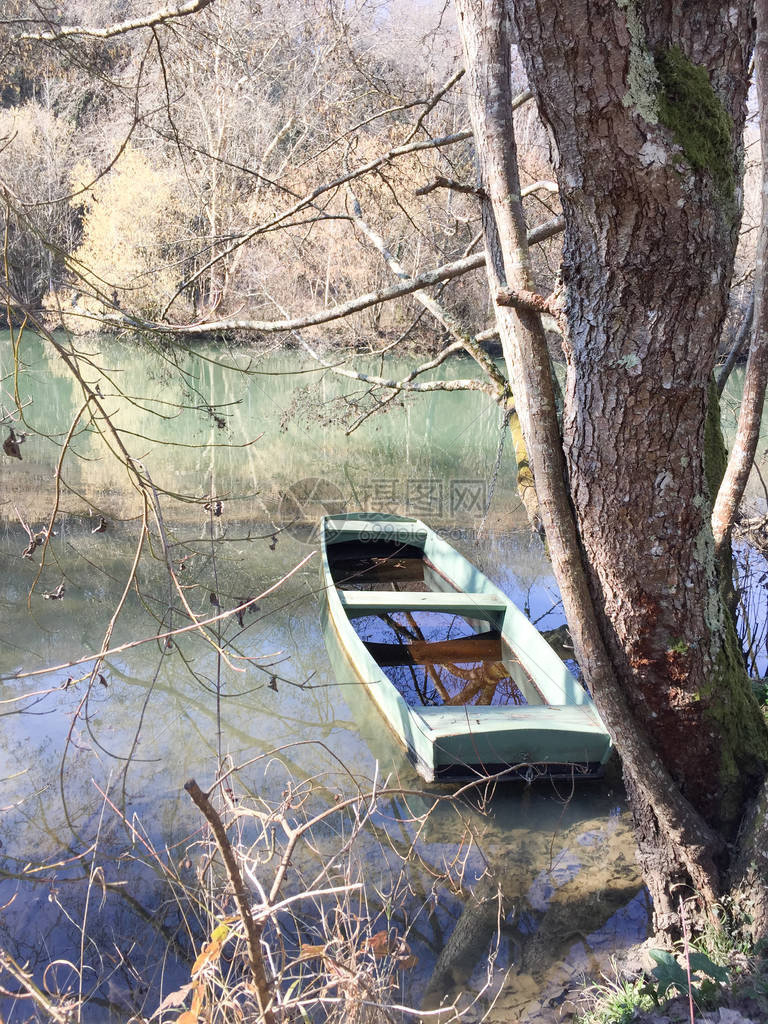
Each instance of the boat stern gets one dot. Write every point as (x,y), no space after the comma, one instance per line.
(525,743)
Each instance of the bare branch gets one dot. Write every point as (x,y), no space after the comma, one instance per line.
(253,930)
(491,334)
(756,377)
(546,230)
(405,383)
(122,27)
(538,186)
(741,339)
(443,315)
(445,273)
(532,302)
(434,100)
(23,976)
(456,186)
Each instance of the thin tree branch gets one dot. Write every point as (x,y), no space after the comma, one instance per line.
(433,100)
(441,313)
(741,339)
(538,186)
(253,929)
(405,383)
(756,377)
(59,1014)
(532,302)
(455,186)
(121,27)
(546,230)
(444,273)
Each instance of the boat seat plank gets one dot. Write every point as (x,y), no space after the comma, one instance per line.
(374,602)
(374,530)
(477,647)
(350,571)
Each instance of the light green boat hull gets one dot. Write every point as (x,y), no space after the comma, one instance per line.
(558,733)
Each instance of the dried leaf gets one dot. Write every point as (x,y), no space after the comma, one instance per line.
(32,546)
(197,999)
(192,1015)
(337,970)
(11,446)
(379,944)
(309,952)
(98,876)
(384,943)
(209,952)
(174,999)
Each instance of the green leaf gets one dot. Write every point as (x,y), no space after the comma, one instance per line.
(669,973)
(701,962)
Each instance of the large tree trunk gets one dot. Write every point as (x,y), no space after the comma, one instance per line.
(646,109)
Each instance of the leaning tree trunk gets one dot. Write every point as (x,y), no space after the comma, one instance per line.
(750,415)
(647,141)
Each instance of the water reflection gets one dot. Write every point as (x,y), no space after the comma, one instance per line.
(434,659)
(96,826)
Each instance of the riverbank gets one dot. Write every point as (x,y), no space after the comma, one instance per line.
(729,985)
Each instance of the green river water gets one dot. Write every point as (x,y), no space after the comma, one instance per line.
(266,440)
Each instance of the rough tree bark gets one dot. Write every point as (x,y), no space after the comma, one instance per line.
(646,105)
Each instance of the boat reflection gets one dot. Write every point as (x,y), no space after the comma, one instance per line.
(437,659)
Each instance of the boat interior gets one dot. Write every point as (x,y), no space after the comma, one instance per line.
(437,645)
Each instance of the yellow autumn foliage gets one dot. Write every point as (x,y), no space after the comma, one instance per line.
(133,228)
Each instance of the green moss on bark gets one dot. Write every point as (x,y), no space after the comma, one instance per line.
(731,703)
(700,124)
(736,718)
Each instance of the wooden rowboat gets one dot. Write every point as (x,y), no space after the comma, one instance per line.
(460,675)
